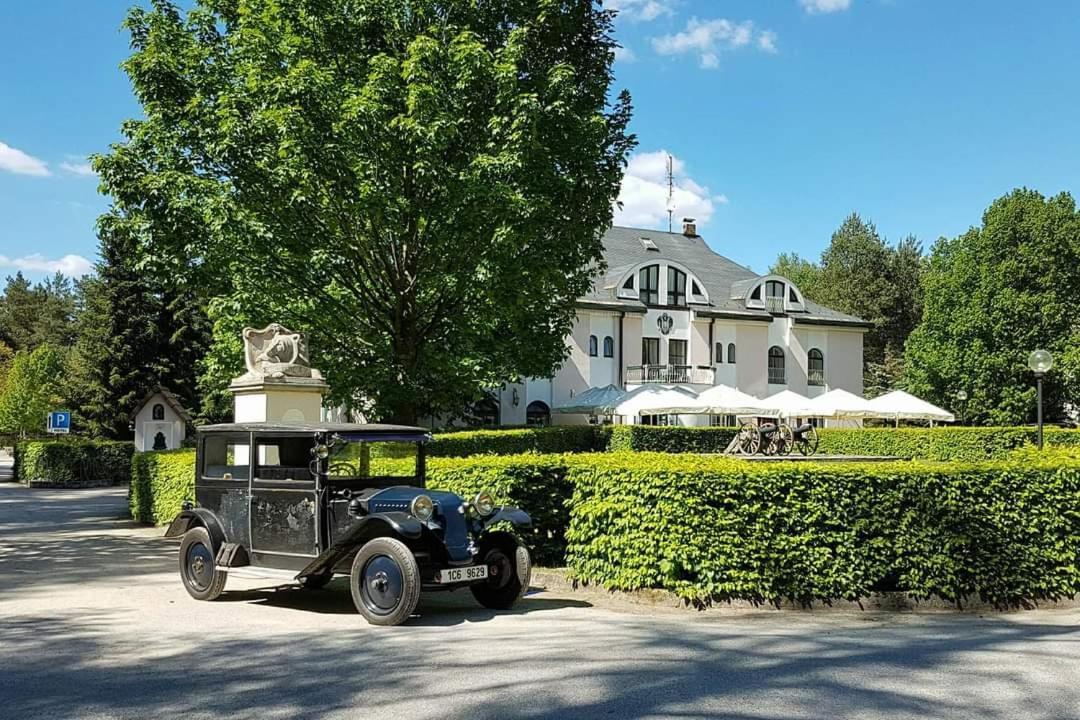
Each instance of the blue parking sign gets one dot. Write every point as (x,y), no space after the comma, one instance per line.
(59,422)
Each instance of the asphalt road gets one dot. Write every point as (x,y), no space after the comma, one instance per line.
(94,623)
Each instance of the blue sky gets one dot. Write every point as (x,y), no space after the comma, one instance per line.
(783,116)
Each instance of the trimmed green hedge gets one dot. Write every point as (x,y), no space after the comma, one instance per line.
(941,443)
(73,463)
(669,439)
(535,483)
(160,482)
(559,439)
(1006,532)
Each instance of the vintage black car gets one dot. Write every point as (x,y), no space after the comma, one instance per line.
(308,502)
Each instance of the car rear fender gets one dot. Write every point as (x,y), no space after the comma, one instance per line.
(198,517)
(398,525)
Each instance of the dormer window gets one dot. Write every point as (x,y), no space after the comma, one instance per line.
(773,293)
(756,295)
(649,285)
(629,284)
(676,287)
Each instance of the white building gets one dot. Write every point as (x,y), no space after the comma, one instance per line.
(669,310)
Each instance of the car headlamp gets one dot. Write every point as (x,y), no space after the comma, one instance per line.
(321,451)
(422,508)
(484,504)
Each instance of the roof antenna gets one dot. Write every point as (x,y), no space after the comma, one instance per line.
(670,190)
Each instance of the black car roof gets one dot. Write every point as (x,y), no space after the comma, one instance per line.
(317,427)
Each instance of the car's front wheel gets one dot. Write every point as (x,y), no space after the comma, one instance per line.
(202,578)
(385,582)
(509,572)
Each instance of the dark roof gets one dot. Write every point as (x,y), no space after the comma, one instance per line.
(624,249)
(314,427)
(170,399)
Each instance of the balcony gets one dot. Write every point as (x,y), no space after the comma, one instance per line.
(670,375)
(775,305)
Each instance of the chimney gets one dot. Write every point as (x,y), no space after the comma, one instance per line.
(689,227)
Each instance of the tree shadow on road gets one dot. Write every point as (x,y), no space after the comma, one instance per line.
(575,667)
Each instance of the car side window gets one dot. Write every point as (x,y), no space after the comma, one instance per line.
(226,457)
(283,458)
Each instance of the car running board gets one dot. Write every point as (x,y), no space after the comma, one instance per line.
(248,572)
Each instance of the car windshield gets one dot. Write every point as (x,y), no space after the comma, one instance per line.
(368,459)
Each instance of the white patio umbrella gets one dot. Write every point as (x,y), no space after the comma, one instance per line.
(843,404)
(726,400)
(594,401)
(791,404)
(899,405)
(657,400)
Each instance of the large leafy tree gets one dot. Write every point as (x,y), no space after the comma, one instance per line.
(861,274)
(419,185)
(993,294)
(33,388)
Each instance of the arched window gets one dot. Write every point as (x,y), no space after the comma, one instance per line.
(731,353)
(592,346)
(676,287)
(609,347)
(158,411)
(815,367)
(777,376)
(719,354)
(537,414)
(649,285)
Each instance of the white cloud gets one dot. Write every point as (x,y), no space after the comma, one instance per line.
(766,42)
(70,265)
(815,7)
(709,38)
(644,193)
(77,168)
(644,10)
(18,162)
(624,55)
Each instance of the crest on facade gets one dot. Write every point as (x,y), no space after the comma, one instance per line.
(276,352)
(665,323)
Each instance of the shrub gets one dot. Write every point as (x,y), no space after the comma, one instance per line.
(535,483)
(559,439)
(73,463)
(160,482)
(670,439)
(942,443)
(1006,532)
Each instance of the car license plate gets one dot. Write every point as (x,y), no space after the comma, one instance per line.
(463,574)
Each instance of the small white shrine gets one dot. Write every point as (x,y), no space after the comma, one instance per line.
(160,422)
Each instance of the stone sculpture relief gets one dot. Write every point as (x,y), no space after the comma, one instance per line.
(276,352)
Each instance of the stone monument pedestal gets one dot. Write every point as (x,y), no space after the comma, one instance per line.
(278,400)
(280,385)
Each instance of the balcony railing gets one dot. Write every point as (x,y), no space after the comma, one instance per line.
(670,374)
(774,305)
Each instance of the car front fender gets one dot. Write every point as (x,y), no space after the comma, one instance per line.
(393,524)
(198,517)
(515,516)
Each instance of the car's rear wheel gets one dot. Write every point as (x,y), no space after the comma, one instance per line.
(509,572)
(385,582)
(202,578)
